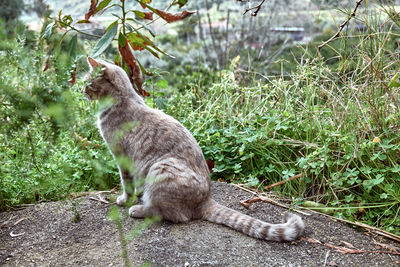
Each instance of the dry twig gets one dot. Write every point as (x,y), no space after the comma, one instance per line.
(5,223)
(16,235)
(20,220)
(257,8)
(268,187)
(362,225)
(100,199)
(342,25)
(84,194)
(258,198)
(347,250)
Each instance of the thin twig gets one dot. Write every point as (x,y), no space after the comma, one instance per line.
(99,200)
(363,225)
(268,187)
(342,26)
(20,220)
(33,154)
(246,203)
(326,257)
(347,250)
(4,224)
(258,198)
(257,8)
(84,194)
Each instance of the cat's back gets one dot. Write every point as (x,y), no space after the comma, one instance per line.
(149,135)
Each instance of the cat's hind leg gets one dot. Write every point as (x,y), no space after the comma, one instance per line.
(142,211)
(157,201)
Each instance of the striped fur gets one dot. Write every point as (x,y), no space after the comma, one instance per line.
(169,167)
(288,231)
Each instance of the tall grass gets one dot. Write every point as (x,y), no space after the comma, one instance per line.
(337,126)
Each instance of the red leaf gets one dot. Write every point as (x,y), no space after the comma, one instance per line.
(210,164)
(92,9)
(148,15)
(135,74)
(73,76)
(169,17)
(47,66)
(137,41)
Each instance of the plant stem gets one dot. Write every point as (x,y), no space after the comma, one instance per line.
(123,17)
(84,33)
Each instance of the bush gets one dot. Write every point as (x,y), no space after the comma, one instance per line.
(50,146)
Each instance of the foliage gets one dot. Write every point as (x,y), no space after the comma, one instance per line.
(49,144)
(131,30)
(261,135)
(11,9)
(337,124)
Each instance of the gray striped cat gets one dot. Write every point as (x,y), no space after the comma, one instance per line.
(168,159)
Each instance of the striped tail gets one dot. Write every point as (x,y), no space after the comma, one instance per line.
(288,231)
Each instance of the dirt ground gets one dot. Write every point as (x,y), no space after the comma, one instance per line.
(50,237)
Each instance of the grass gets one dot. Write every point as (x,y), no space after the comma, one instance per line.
(337,125)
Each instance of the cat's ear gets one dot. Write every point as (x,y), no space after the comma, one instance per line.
(93,63)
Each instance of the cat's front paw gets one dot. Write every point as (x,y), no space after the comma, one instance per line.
(137,211)
(121,200)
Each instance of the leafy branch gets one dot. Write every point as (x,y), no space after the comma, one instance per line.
(127,30)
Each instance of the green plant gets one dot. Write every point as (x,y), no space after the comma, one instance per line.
(49,147)
(133,33)
(337,125)
(116,217)
(11,9)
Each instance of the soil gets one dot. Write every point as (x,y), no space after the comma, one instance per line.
(50,237)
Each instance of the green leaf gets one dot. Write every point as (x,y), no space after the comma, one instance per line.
(117,59)
(110,26)
(104,41)
(82,21)
(383,196)
(66,21)
(121,39)
(48,31)
(393,82)
(72,48)
(144,71)
(139,14)
(181,3)
(163,84)
(152,45)
(102,5)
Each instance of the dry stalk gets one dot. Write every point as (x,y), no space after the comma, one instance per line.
(268,187)
(342,25)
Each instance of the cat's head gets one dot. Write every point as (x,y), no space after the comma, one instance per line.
(106,80)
